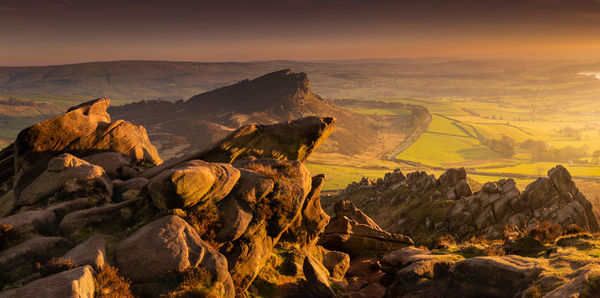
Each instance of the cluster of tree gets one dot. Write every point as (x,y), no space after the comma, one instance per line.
(505,145)
(542,151)
(571,132)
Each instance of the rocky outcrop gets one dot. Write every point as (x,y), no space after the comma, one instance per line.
(70,177)
(275,191)
(293,140)
(427,208)
(171,245)
(83,130)
(555,199)
(353,232)
(313,220)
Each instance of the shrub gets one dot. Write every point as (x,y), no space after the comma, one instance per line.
(110,284)
(573,229)
(55,265)
(205,220)
(546,232)
(494,250)
(197,282)
(592,287)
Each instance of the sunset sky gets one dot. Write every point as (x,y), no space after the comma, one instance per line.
(40,32)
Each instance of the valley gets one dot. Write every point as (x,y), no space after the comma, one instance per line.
(470,103)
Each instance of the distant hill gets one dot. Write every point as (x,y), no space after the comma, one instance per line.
(182,126)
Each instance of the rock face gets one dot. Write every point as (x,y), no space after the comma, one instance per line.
(353,232)
(83,130)
(555,199)
(293,140)
(170,244)
(78,282)
(194,182)
(275,191)
(71,176)
(313,221)
(427,208)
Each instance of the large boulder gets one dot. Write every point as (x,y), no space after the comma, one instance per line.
(75,283)
(192,183)
(169,245)
(292,140)
(495,276)
(30,251)
(353,232)
(94,216)
(31,222)
(72,177)
(83,130)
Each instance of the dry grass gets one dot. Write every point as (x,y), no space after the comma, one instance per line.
(55,265)
(205,220)
(110,284)
(546,232)
(197,282)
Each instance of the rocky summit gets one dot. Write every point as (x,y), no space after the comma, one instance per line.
(88,209)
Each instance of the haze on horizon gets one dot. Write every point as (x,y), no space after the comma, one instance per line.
(43,32)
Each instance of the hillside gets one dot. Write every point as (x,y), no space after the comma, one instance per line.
(275,97)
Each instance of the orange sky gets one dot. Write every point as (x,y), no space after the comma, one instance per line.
(40,32)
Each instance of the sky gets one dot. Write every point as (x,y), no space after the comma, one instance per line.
(45,32)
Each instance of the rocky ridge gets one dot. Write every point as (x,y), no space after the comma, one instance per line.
(208,224)
(425,208)
(100,215)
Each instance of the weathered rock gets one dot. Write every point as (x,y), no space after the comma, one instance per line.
(494,276)
(292,140)
(575,286)
(76,283)
(194,182)
(317,279)
(63,208)
(30,251)
(128,189)
(7,203)
(554,199)
(116,165)
(337,263)
(275,191)
(353,232)
(81,131)
(92,252)
(31,222)
(71,175)
(93,216)
(170,244)
(417,272)
(234,218)
(306,229)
